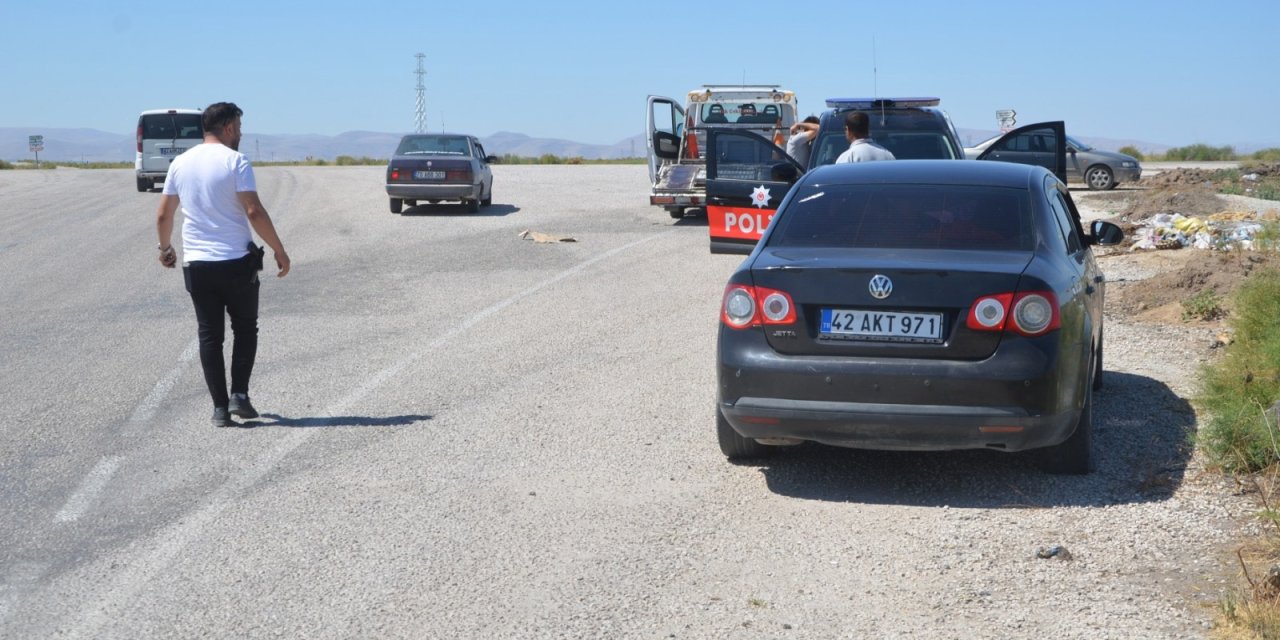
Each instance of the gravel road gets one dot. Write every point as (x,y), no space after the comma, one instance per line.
(471,435)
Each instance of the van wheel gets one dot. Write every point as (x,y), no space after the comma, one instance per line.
(144,185)
(396,205)
(676,212)
(488,199)
(473,206)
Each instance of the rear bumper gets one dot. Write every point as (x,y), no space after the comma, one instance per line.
(1023,397)
(435,191)
(677,199)
(154,175)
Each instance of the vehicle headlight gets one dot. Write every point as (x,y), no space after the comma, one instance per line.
(1129,164)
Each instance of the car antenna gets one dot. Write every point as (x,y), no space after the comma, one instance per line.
(875,79)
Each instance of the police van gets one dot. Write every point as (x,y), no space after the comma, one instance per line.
(163,134)
(677,135)
(748,175)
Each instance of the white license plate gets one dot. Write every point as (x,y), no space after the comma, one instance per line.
(428,175)
(171,151)
(859,324)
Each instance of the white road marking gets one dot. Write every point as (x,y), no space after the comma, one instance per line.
(92,485)
(170,541)
(146,410)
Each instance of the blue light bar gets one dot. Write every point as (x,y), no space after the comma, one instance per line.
(876,103)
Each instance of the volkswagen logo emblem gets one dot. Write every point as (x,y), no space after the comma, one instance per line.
(880,286)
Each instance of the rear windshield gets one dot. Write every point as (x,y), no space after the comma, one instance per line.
(746,113)
(434,145)
(168,126)
(905,217)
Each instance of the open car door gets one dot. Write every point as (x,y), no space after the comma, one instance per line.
(1042,143)
(663,130)
(747,177)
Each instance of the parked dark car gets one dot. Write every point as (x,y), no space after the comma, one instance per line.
(917,305)
(440,166)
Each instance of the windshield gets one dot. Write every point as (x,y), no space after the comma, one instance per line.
(904,145)
(1079,145)
(434,145)
(905,216)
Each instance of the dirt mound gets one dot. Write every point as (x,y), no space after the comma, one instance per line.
(1189,200)
(1180,275)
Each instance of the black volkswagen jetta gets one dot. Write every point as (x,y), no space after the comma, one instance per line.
(917,305)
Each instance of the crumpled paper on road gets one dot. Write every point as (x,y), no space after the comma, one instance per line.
(545,238)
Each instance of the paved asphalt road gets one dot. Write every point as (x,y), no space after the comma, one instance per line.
(469,434)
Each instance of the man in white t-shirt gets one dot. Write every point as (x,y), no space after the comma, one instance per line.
(213,183)
(857,128)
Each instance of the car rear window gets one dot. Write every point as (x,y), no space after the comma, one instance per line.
(168,126)
(912,216)
(434,145)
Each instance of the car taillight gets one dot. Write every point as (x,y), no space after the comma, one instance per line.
(460,175)
(746,306)
(395,174)
(1031,313)
(139,138)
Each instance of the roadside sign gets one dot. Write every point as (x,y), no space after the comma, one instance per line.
(36,143)
(1006,118)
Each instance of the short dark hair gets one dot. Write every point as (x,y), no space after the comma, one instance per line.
(812,120)
(858,123)
(218,115)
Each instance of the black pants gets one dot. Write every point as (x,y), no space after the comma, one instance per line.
(225,287)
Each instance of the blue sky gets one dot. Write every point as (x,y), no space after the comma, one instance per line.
(1175,73)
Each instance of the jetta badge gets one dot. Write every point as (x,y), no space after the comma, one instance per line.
(880,287)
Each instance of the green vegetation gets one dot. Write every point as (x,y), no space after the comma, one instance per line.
(1201,153)
(1204,305)
(1131,150)
(548,158)
(1240,434)
(1271,154)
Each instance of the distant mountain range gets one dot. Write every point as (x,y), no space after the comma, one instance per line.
(91,145)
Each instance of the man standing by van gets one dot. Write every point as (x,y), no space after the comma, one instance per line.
(214,184)
(857,128)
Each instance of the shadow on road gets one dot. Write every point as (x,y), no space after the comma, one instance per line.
(1141,431)
(491,211)
(274,420)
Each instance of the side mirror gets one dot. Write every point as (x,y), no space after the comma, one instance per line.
(491,159)
(666,145)
(783,172)
(1105,233)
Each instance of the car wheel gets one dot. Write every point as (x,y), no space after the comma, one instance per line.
(1075,455)
(473,206)
(1099,177)
(144,185)
(488,199)
(677,212)
(736,447)
(396,205)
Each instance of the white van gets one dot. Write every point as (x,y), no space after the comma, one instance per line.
(162,135)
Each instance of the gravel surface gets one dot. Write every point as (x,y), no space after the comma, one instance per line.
(467,434)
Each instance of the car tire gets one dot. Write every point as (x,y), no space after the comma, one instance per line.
(736,447)
(676,213)
(488,199)
(144,185)
(396,205)
(1074,456)
(473,206)
(1099,177)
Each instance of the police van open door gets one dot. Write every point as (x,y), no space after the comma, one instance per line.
(747,177)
